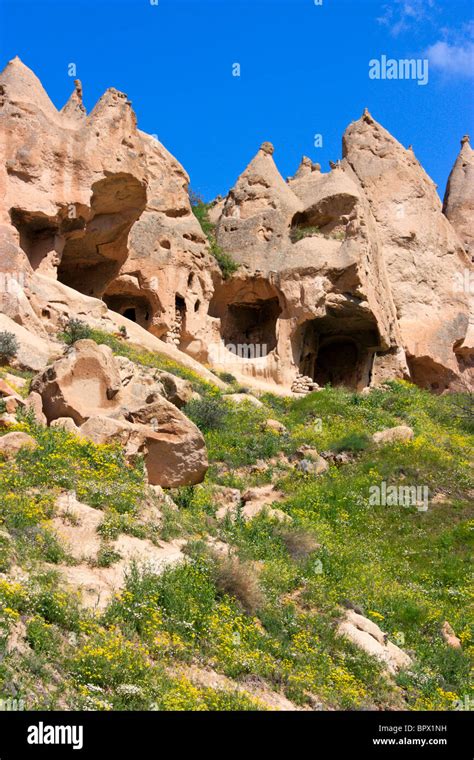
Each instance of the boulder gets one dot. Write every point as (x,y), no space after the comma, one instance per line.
(174,450)
(367,635)
(33,351)
(34,402)
(12,403)
(312,463)
(6,420)
(176,390)
(6,389)
(12,443)
(449,636)
(66,423)
(82,384)
(399,434)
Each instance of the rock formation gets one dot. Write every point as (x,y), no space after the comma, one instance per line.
(459,199)
(100,206)
(349,277)
(110,399)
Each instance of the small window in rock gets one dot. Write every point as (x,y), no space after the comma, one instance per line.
(130,314)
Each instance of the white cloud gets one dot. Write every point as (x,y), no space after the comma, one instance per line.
(455,59)
(401,15)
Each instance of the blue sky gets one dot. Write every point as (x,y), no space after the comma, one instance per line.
(303,71)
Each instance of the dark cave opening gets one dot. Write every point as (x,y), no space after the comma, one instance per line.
(93,255)
(130,313)
(134,306)
(336,362)
(252,323)
(338,352)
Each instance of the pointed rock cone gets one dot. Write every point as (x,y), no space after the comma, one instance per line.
(304,169)
(459,197)
(21,85)
(423,254)
(74,108)
(259,207)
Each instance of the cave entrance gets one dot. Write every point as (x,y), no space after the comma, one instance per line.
(135,307)
(248,312)
(93,255)
(252,324)
(130,313)
(327,217)
(337,361)
(39,237)
(338,352)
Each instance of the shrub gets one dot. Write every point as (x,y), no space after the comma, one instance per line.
(227,377)
(42,636)
(8,346)
(109,660)
(298,233)
(75,330)
(351,442)
(107,556)
(237,579)
(201,211)
(298,543)
(207,413)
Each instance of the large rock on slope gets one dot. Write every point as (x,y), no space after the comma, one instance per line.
(112,402)
(174,449)
(82,384)
(367,635)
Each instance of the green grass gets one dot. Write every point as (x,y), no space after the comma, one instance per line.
(408,570)
(152,359)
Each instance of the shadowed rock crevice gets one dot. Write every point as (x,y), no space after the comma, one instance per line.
(93,256)
(248,316)
(329,216)
(128,296)
(338,351)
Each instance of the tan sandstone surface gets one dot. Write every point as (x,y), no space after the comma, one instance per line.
(349,277)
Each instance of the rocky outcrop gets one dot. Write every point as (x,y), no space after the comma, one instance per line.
(366,635)
(348,277)
(458,203)
(423,254)
(108,399)
(99,205)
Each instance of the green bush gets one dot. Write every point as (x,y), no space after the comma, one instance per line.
(201,211)
(207,413)
(41,636)
(298,233)
(8,346)
(75,330)
(352,442)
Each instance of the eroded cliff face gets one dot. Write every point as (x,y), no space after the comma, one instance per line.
(350,277)
(103,208)
(363,265)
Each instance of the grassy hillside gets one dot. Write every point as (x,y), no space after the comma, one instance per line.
(262,611)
